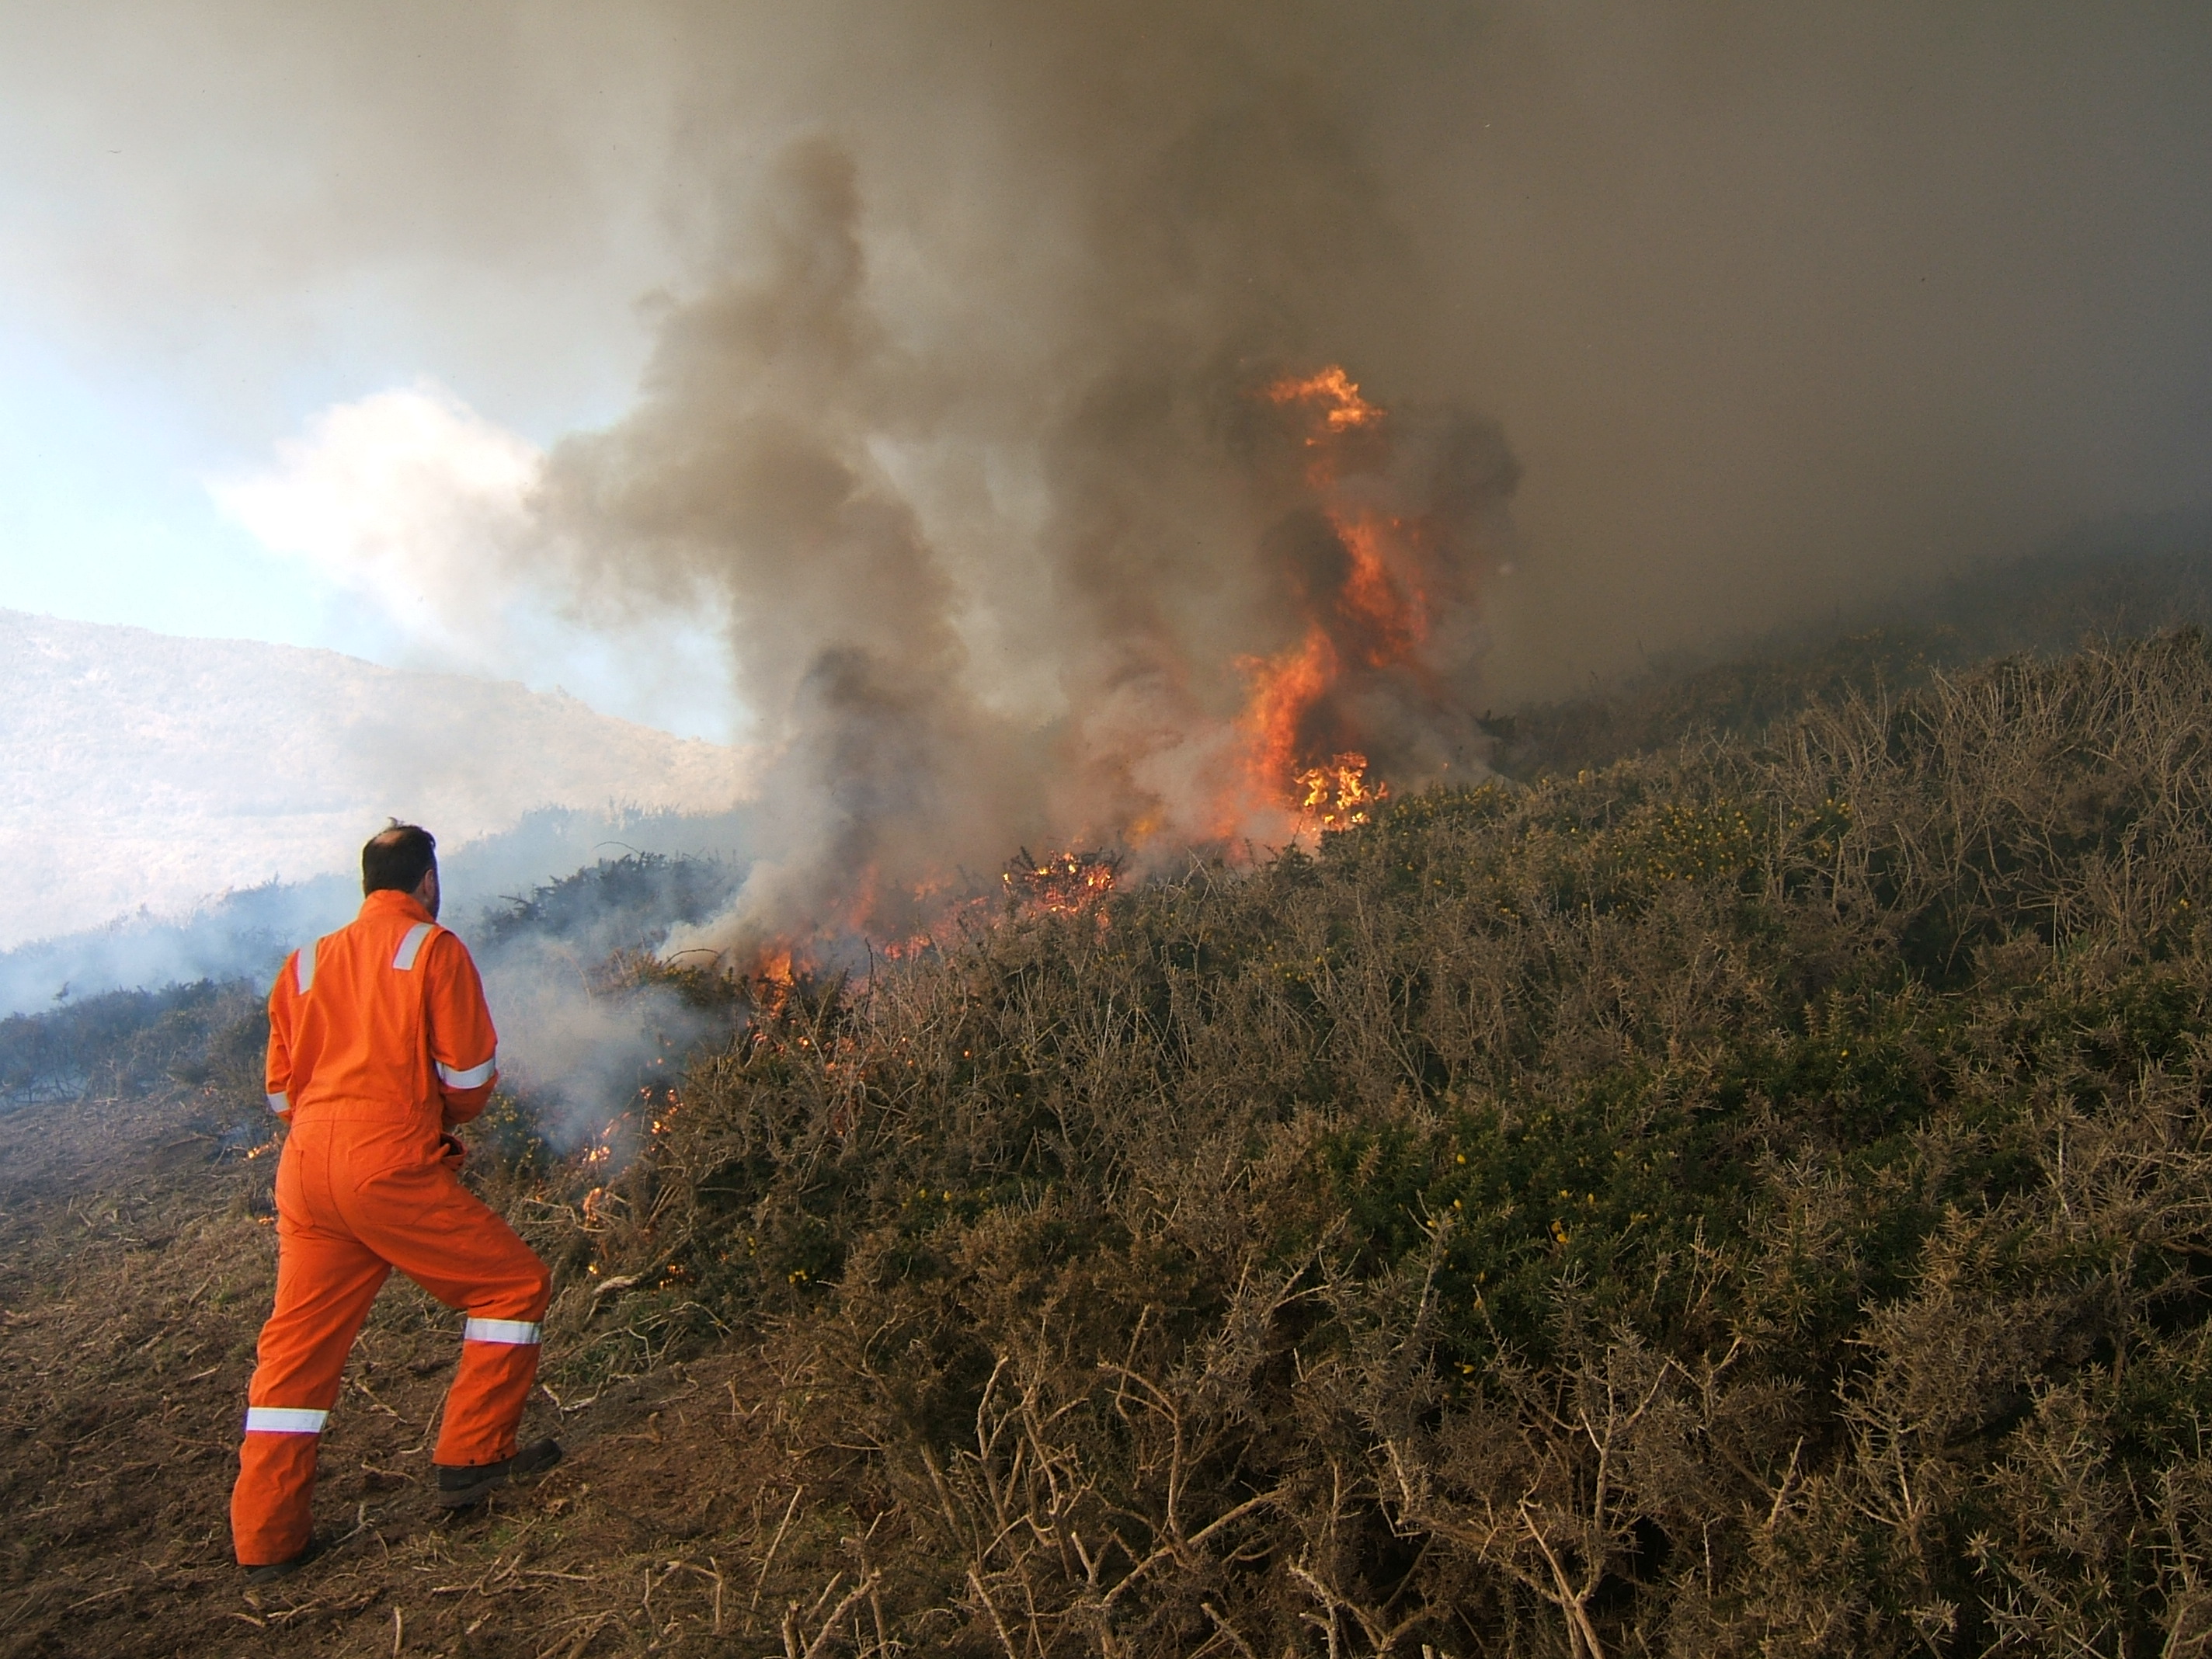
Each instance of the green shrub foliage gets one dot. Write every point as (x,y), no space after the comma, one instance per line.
(1747,1200)
(123,1043)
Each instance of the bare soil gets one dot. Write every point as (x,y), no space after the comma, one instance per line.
(140,1261)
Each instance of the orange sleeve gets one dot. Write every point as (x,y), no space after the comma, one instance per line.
(277,1070)
(463,1044)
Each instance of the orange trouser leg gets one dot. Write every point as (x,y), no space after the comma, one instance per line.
(325,1282)
(426,1223)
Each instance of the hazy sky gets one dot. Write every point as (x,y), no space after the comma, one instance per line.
(1774,306)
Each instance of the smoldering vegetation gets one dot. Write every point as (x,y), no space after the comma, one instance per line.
(585,1025)
(1746,1198)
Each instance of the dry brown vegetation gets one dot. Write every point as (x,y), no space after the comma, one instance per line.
(1749,1199)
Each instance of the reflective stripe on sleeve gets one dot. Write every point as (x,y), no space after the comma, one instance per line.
(280,1102)
(411,946)
(515,1332)
(472,1077)
(284,1419)
(306,972)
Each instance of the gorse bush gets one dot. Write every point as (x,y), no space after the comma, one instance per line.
(1753,1198)
(208,1032)
(617,904)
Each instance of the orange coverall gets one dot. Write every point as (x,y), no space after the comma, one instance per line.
(379,1042)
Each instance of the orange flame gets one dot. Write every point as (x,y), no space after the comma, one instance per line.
(1337,796)
(1066,884)
(1301,759)
(1283,690)
(1374,618)
(1337,394)
(1390,611)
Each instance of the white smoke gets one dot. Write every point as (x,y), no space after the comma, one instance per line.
(413,503)
(420,510)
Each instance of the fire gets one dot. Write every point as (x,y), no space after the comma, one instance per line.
(1392,617)
(1366,559)
(1068,884)
(1283,690)
(1337,796)
(1371,618)
(1334,396)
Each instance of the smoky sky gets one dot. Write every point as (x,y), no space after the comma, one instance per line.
(946,321)
(1775,304)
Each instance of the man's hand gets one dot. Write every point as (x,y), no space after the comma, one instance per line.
(451,1152)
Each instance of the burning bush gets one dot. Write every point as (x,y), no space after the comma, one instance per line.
(1743,1200)
(1066,884)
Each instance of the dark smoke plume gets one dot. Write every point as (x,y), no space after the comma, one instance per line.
(960,408)
(1023,576)
(1183,543)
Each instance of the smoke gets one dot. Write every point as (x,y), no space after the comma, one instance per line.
(247,933)
(977,421)
(418,508)
(384,495)
(1122,592)
(953,412)
(576,1052)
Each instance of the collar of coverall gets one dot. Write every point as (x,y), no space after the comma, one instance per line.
(390,898)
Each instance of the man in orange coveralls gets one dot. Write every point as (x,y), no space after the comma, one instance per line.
(379,1044)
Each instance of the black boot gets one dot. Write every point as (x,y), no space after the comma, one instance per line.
(460,1485)
(270,1573)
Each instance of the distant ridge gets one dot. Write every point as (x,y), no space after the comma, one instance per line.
(144,771)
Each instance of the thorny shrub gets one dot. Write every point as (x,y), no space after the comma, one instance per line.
(208,1033)
(1750,1199)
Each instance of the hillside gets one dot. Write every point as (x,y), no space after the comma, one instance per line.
(1748,1199)
(2124,580)
(144,771)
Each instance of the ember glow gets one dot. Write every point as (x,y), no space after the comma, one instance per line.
(1333,395)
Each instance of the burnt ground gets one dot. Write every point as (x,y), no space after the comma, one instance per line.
(139,1261)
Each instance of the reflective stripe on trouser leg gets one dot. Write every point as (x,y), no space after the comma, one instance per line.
(284,1419)
(422,1221)
(514,1331)
(278,1456)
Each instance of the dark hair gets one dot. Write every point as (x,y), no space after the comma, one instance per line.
(397,859)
